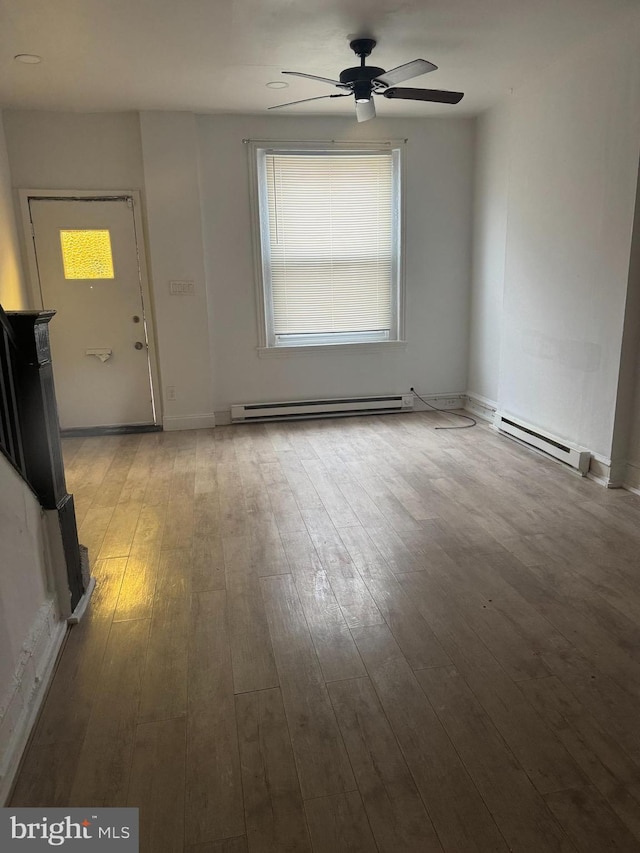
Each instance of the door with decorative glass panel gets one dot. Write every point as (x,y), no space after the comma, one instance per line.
(87,253)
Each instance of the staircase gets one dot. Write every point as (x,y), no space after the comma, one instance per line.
(29,431)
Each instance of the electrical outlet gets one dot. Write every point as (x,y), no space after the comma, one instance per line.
(448,402)
(171,392)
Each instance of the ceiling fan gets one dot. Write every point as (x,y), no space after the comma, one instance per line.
(365,81)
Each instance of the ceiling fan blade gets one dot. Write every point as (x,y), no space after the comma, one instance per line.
(304,100)
(435,95)
(365,110)
(314,77)
(406,71)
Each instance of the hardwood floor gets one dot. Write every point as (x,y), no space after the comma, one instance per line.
(349,636)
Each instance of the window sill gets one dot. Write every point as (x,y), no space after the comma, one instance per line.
(334,349)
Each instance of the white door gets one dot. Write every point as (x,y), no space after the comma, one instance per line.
(87,257)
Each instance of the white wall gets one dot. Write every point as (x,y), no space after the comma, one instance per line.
(572,139)
(31,629)
(170,156)
(23,583)
(632,474)
(626,451)
(30,626)
(438,203)
(13,295)
(489,248)
(74,151)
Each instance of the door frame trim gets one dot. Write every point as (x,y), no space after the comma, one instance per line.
(33,279)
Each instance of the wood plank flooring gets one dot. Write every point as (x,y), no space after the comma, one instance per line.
(348,636)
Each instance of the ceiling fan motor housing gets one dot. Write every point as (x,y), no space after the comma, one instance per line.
(362,73)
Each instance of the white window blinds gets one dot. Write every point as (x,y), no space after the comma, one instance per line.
(330,251)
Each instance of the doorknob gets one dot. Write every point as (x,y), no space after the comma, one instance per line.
(139,345)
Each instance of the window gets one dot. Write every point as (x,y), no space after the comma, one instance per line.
(86,254)
(329,224)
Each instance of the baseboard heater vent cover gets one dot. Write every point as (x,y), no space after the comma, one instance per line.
(301,409)
(575,457)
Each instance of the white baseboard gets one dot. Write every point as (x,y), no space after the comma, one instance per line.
(454,400)
(480,406)
(617,474)
(604,472)
(632,478)
(189,422)
(81,606)
(601,480)
(223,417)
(30,683)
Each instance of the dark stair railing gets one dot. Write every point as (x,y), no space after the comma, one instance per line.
(29,429)
(10,432)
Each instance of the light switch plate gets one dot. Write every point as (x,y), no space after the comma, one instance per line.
(180,288)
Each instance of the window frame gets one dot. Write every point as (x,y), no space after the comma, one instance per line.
(268,344)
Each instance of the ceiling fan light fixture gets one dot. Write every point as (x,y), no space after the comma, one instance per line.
(362,91)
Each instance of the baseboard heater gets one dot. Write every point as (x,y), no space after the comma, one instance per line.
(575,457)
(300,409)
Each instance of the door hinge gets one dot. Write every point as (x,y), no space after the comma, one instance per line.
(129,202)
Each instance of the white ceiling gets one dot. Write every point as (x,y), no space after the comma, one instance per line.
(217,55)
